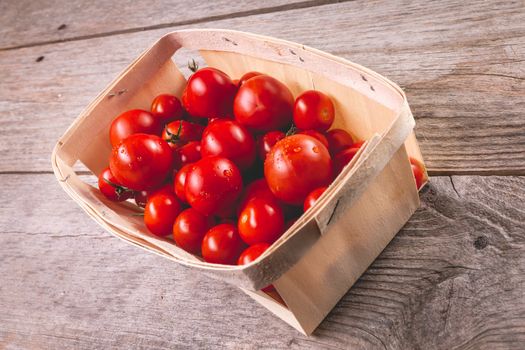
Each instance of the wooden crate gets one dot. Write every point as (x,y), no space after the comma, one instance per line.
(319,258)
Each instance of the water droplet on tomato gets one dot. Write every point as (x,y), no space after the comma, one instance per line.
(227,172)
(297,149)
(315,149)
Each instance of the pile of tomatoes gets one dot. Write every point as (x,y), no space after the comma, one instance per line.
(229,167)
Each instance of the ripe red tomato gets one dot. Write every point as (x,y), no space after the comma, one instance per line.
(229,139)
(420,174)
(212,184)
(261,221)
(209,93)
(252,253)
(222,245)
(180,181)
(141,198)
(315,134)
(344,157)
(313,110)
(141,161)
(338,140)
(167,108)
(313,197)
(257,188)
(189,230)
(111,188)
(295,166)
(160,213)
(180,132)
(135,121)
(187,154)
(263,103)
(266,142)
(247,76)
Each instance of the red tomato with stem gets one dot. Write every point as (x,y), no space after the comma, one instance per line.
(263,103)
(213,184)
(247,76)
(111,188)
(141,162)
(167,108)
(315,134)
(267,141)
(160,213)
(338,140)
(135,121)
(420,174)
(222,245)
(295,166)
(313,110)
(180,182)
(189,230)
(187,154)
(261,221)
(229,139)
(180,132)
(209,93)
(312,197)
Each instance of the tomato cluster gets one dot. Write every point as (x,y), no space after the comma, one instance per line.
(229,167)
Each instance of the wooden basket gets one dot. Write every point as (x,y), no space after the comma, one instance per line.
(319,258)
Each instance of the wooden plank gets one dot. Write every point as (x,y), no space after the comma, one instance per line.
(28,23)
(462,67)
(452,278)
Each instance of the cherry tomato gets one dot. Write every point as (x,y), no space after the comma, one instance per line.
(420,174)
(160,213)
(229,139)
(141,198)
(180,181)
(180,132)
(263,103)
(187,154)
(222,245)
(315,134)
(313,197)
(295,166)
(313,110)
(189,230)
(338,140)
(135,121)
(209,93)
(247,76)
(266,142)
(258,188)
(167,108)
(212,184)
(141,161)
(252,253)
(342,158)
(111,188)
(261,221)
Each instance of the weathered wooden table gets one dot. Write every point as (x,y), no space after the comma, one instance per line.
(454,277)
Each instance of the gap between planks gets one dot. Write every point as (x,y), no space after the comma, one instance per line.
(239,14)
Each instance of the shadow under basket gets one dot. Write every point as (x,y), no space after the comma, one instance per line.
(319,258)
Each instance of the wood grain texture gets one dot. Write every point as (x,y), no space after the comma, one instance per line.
(453,278)
(29,23)
(462,67)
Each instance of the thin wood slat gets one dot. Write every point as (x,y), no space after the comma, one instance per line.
(452,278)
